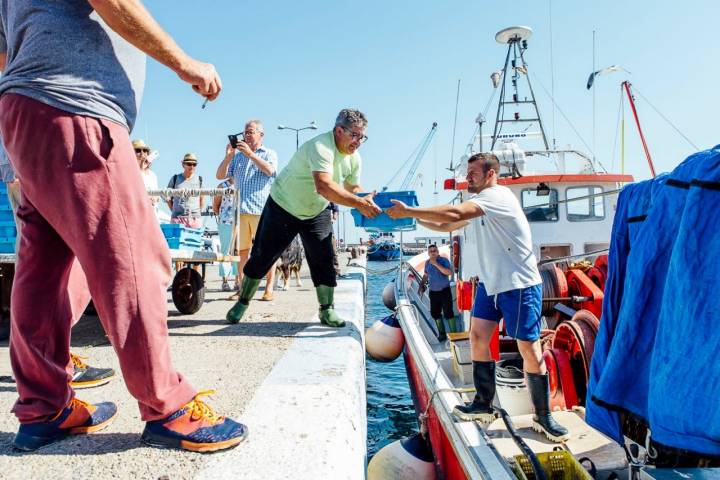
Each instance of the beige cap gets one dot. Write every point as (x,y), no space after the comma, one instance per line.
(189,156)
(137,144)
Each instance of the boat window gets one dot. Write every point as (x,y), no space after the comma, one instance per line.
(589,206)
(540,208)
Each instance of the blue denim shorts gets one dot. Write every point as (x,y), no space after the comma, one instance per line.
(521,309)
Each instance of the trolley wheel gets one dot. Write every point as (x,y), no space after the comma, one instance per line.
(188,291)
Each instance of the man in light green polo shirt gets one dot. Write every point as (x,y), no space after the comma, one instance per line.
(324,169)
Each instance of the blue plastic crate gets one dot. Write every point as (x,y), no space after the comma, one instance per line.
(7,244)
(177,244)
(383,223)
(7,228)
(3,188)
(181,233)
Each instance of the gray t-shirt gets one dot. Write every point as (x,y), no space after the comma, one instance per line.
(61,53)
(185,207)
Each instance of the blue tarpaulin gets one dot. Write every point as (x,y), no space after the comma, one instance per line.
(633,204)
(660,340)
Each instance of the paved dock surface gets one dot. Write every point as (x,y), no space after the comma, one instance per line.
(237,361)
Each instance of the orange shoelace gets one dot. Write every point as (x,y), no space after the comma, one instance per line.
(77,360)
(74,403)
(199,409)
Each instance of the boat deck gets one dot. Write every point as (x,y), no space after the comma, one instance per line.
(585,441)
(299,386)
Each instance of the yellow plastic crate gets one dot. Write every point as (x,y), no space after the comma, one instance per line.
(557,465)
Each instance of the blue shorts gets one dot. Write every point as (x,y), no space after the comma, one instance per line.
(521,309)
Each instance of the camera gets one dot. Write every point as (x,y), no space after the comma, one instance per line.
(235,138)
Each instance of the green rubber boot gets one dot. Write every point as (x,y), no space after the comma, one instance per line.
(247,292)
(328,316)
(441,330)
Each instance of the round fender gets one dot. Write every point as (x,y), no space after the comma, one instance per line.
(384,340)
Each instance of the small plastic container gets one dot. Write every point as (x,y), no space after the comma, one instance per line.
(383,223)
(7,244)
(7,229)
(559,465)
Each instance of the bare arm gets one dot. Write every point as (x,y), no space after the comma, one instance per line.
(439,213)
(333,192)
(217,200)
(444,227)
(3,61)
(222,170)
(443,270)
(353,188)
(131,20)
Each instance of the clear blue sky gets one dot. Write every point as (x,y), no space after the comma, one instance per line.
(399,61)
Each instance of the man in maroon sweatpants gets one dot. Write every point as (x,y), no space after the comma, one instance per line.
(65,123)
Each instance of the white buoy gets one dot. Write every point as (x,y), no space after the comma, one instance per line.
(388,296)
(406,459)
(384,341)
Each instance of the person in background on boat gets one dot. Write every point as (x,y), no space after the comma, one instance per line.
(224,208)
(83,111)
(324,169)
(82,375)
(253,167)
(510,287)
(142,155)
(437,278)
(187,210)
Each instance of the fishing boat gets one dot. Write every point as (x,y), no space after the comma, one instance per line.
(570,204)
(382,247)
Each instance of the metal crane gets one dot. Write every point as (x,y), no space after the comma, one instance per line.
(416,158)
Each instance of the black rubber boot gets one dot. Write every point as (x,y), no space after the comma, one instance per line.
(543,421)
(441,336)
(481,408)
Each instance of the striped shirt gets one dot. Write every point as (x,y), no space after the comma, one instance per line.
(253,183)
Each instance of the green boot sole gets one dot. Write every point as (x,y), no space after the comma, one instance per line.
(247,292)
(236,313)
(330,318)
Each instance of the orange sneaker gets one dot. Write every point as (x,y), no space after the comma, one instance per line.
(78,417)
(195,427)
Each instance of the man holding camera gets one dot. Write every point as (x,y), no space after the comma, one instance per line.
(253,167)
(324,169)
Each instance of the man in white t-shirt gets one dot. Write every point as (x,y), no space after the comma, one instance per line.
(510,287)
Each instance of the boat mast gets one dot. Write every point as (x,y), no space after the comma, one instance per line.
(631,99)
(516,40)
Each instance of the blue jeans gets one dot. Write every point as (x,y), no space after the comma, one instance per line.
(225,234)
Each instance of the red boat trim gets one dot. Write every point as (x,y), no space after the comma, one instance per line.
(557,178)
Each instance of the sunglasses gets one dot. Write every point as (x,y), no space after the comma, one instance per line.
(141,150)
(189,164)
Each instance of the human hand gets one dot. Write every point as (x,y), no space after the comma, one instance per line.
(202,76)
(421,288)
(398,210)
(244,148)
(229,151)
(368,207)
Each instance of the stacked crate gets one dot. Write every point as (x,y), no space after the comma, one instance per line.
(182,237)
(8,231)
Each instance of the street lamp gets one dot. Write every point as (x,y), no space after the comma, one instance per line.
(297,131)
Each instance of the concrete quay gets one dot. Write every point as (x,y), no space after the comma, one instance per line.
(298,385)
